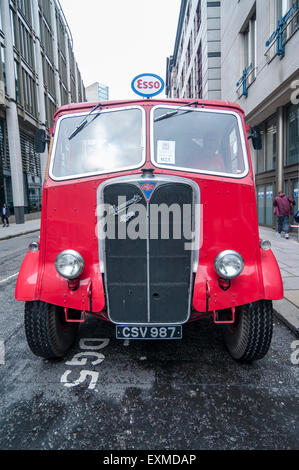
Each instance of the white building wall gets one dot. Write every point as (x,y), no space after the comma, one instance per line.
(271,87)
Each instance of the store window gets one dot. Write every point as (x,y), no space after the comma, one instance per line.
(260,203)
(260,154)
(271,143)
(269,205)
(292,156)
(296,196)
(265,205)
(266,157)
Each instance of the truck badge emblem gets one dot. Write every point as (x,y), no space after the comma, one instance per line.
(147,189)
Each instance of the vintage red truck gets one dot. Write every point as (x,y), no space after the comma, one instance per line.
(149,221)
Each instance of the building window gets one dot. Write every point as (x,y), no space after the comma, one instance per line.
(26,44)
(292,156)
(29,93)
(260,154)
(249,48)
(2,66)
(282,7)
(17,82)
(271,143)
(187,15)
(12,22)
(266,157)
(189,53)
(265,204)
(199,71)
(24,8)
(198,15)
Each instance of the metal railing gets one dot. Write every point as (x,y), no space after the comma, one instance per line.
(287,25)
(245,81)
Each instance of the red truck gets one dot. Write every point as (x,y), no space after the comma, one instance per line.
(149,221)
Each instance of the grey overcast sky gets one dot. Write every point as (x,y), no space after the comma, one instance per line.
(115,40)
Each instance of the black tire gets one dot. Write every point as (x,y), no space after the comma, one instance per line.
(48,334)
(249,337)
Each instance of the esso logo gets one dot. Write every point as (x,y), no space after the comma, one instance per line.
(147,84)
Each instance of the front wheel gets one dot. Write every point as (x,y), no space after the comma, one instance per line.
(249,337)
(48,334)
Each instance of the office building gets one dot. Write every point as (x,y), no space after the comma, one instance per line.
(97,92)
(260,71)
(194,69)
(246,51)
(38,73)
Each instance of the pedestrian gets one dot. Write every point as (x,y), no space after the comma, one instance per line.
(5,213)
(283,208)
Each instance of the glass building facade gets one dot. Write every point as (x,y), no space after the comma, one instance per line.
(39,73)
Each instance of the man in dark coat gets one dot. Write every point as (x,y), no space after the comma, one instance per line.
(283,208)
(5,213)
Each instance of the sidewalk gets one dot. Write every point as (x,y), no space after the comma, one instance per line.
(287,256)
(15,230)
(285,251)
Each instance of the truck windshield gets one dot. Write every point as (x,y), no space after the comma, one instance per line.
(111,142)
(199,140)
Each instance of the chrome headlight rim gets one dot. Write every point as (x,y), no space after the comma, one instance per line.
(265,245)
(78,258)
(220,257)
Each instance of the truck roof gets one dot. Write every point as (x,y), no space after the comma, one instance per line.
(87,105)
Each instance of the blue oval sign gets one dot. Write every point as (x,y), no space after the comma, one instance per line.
(147,84)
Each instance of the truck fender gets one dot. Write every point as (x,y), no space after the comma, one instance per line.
(272,281)
(27,278)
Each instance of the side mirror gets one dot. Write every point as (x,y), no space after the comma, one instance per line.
(40,140)
(256,137)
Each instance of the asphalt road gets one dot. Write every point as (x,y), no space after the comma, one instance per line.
(151,395)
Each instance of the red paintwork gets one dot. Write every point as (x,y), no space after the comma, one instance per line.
(228,221)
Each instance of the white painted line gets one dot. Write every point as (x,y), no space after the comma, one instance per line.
(9,277)
(2,353)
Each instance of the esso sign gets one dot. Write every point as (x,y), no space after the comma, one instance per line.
(147,84)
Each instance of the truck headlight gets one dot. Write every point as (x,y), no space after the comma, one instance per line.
(229,264)
(69,264)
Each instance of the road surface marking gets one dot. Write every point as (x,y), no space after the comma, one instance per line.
(2,353)
(9,277)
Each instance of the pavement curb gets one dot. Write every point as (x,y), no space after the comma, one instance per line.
(19,234)
(287,313)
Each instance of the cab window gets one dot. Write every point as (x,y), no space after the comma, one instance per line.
(198,140)
(110,141)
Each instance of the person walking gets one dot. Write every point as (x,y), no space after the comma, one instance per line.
(5,213)
(283,208)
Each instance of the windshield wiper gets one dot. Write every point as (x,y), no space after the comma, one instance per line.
(84,122)
(173,113)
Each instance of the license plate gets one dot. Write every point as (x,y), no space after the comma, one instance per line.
(149,332)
